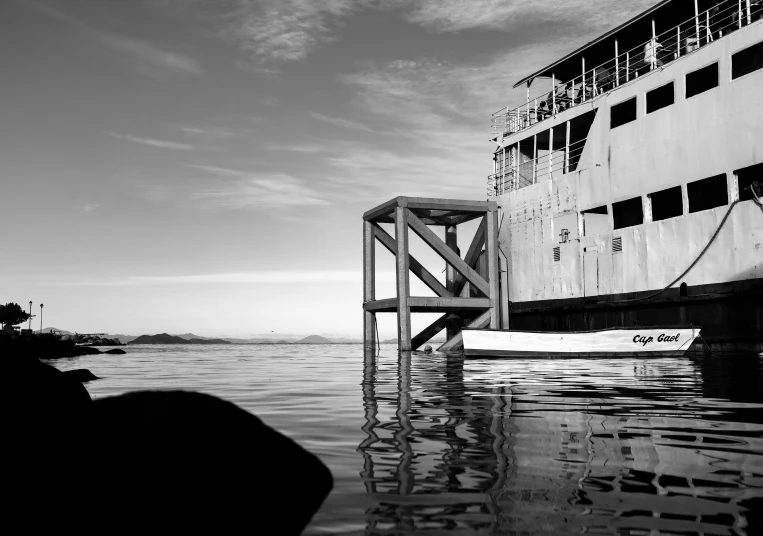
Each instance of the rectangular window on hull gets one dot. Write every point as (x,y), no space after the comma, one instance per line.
(701,80)
(659,98)
(708,193)
(747,60)
(667,204)
(622,113)
(745,178)
(628,213)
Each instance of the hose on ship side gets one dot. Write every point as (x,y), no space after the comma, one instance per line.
(677,279)
(755,198)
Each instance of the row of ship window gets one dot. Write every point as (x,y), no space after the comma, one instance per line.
(744,62)
(704,194)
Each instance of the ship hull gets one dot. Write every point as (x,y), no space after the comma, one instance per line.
(730,313)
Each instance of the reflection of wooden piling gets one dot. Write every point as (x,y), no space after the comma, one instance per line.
(466,299)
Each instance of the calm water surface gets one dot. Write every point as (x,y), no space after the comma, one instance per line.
(438,445)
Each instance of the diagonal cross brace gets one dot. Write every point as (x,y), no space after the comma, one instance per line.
(472,254)
(450,256)
(458,341)
(415,266)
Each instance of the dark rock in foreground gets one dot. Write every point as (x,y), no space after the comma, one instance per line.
(165,338)
(80,375)
(114,351)
(157,461)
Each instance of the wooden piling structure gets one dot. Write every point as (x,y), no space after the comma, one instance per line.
(467,299)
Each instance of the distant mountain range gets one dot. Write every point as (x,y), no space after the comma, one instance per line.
(164,338)
(192,338)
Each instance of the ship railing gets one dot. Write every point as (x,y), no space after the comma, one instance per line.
(692,34)
(522,173)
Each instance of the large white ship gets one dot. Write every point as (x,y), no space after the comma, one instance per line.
(627,189)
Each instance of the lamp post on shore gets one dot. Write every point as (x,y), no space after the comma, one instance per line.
(30,315)
(41,305)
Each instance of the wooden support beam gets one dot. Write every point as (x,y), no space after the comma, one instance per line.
(458,341)
(430,331)
(472,254)
(416,267)
(423,304)
(402,215)
(428,236)
(451,240)
(369,288)
(458,205)
(382,210)
(491,251)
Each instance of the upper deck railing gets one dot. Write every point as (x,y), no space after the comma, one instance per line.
(511,174)
(691,35)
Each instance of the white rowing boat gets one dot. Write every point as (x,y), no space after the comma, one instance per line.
(613,342)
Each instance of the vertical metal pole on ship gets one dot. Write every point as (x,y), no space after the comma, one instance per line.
(583,88)
(653,59)
(696,21)
(739,14)
(41,306)
(553,94)
(567,150)
(749,16)
(528,106)
(627,66)
(503,168)
(550,151)
(678,41)
(30,315)
(707,28)
(617,65)
(536,110)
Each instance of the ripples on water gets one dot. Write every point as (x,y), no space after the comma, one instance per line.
(431,444)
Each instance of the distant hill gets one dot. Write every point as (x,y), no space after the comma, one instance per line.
(314,339)
(188,336)
(164,338)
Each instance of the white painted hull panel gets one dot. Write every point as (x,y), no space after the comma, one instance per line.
(654,342)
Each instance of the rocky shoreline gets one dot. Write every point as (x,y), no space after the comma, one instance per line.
(47,346)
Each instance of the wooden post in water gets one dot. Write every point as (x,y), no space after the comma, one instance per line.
(369,289)
(403,282)
(491,251)
(451,240)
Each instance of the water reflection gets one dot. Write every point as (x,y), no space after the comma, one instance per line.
(609,446)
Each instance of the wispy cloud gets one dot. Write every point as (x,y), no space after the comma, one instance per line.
(242,189)
(151,142)
(148,58)
(275,30)
(503,15)
(89,207)
(340,122)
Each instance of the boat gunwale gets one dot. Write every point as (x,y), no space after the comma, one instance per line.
(623,328)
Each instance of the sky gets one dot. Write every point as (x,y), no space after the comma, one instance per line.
(204,165)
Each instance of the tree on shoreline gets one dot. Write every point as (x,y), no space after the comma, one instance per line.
(12,314)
